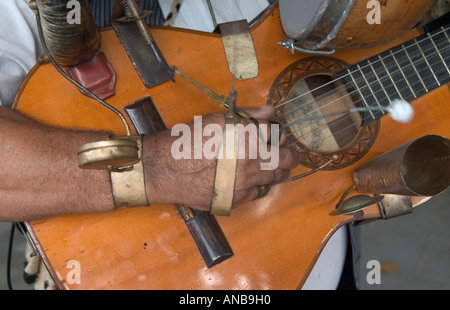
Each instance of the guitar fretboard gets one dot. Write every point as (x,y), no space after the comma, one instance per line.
(407,71)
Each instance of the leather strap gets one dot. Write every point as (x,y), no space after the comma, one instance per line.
(239,49)
(97,75)
(223,192)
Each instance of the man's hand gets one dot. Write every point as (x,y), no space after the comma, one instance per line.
(190,181)
(40,177)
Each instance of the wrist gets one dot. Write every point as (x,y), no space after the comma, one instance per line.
(128,184)
(156,183)
(175,181)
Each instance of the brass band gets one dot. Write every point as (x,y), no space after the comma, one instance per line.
(223,192)
(122,157)
(108,154)
(128,186)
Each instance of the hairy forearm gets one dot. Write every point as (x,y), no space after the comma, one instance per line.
(39,173)
(170,181)
(40,177)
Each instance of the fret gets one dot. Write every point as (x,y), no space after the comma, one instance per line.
(438,56)
(407,72)
(426,61)
(370,86)
(373,83)
(438,52)
(363,95)
(390,76)
(384,77)
(417,75)
(382,87)
(404,85)
(369,90)
(445,50)
(445,33)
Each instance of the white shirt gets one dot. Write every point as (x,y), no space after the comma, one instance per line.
(19,46)
(195,15)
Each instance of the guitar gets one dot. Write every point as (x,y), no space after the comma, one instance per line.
(275,240)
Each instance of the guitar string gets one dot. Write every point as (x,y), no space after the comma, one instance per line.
(369,76)
(442,31)
(398,66)
(409,97)
(374,76)
(341,78)
(381,78)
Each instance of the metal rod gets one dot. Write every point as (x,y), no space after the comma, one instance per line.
(211,11)
(87,91)
(302,175)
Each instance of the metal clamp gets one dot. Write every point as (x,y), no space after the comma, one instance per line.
(395,205)
(289,44)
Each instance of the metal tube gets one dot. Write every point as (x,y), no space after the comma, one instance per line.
(69,41)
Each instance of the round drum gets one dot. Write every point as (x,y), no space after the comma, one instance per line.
(337,24)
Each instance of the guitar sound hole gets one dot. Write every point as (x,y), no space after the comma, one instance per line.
(317,107)
(314,106)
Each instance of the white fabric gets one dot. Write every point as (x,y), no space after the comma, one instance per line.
(19,46)
(195,15)
(328,268)
(401,111)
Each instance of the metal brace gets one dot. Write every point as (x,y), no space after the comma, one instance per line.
(395,205)
(289,44)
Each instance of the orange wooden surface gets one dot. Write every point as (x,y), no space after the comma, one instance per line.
(396,18)
(275,240)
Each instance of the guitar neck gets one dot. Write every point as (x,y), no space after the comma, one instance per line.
(407,71)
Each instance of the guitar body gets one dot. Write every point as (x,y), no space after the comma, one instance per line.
(275,240)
